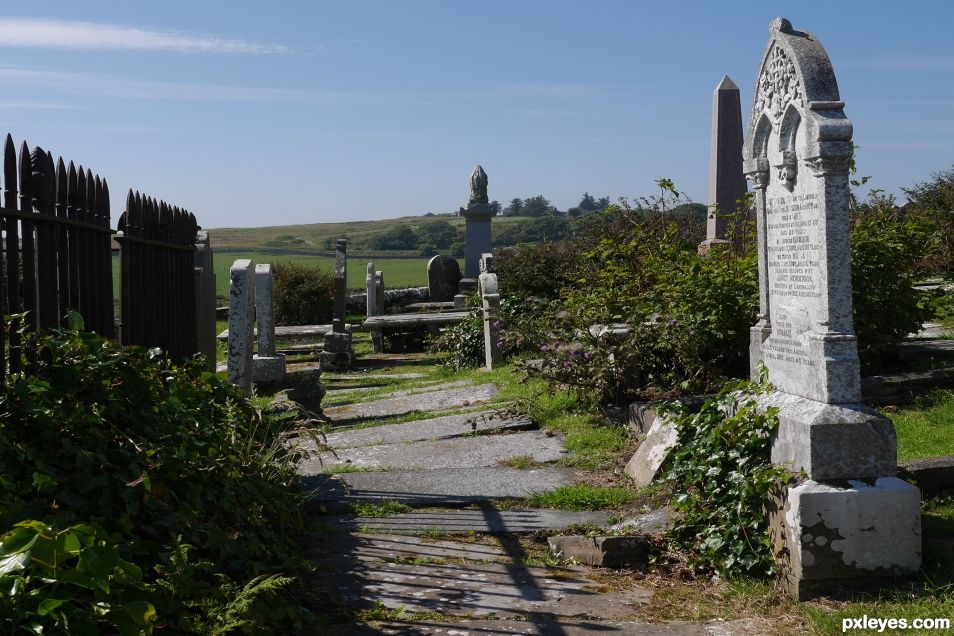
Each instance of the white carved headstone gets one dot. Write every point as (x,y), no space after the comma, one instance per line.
(268,365)
(490,299)
(241,323)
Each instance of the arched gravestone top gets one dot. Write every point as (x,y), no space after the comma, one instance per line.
(443,275)
(797,155)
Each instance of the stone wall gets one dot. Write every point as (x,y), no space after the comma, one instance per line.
(394,300)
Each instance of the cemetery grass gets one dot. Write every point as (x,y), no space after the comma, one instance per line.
(926,427)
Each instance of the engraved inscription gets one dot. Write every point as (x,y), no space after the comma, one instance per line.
(793,249)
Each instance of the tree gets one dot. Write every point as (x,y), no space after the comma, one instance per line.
(495,207)
(602,203)
(397,237)
(515,208)
(538,206)
(587,203)
(440,234)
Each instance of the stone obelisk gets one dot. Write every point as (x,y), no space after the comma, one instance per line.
(477,238)
(726,180)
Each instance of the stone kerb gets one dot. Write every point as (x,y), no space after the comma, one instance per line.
(269,366)
(241,323)
(851,518)
(490,300)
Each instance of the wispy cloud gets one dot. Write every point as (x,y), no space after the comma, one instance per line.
(55,34)
(39,106)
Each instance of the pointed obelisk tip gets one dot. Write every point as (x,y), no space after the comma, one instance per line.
(781,25)
(726,84)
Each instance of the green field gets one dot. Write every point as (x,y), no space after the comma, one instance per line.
(398,272)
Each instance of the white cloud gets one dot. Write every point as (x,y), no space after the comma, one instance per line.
(30,32)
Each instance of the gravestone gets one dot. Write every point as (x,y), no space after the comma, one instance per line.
(371,297)
(443,276)
(851,517)
(205,298)
(377,336)
(338,354)
(241,323)
(268,366)
(477,237)
(726,181)
(490,301)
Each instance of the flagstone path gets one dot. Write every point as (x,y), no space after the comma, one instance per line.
(454,563)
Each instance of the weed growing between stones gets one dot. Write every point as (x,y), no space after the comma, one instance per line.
(721,474)
(134,494)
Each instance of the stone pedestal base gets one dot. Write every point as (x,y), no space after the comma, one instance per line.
(466,285)
(829,535)
(708,244)
(268,369)
(337,354)
(831,441)
(377,341)
(460,301)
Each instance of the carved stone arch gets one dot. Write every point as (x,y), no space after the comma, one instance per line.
(788,128)
(760,136)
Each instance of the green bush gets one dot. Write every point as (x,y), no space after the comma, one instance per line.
(887,247)
(538,270)
(933,202)
(301,294)
(135,492)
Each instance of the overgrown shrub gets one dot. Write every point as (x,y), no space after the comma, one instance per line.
(721,474)
(933,202)
(539,270)
(134,492)
(301,294)
(887,246)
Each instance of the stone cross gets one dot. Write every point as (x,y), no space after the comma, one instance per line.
(205,298)
(443,277)
(241,323)
(832,526)
(490,301)
(269,366)
(726,181)
(372,308)
(477,235)
(340,281)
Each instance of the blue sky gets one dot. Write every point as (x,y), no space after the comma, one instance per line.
(302,111)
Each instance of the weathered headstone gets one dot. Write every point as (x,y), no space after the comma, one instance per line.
(852,517)
(377,336)
(241,323)
(443,276)
(490,300)
(477,237)
(268,366)
(726,181)
(338,354)
(371,300)
(205,298)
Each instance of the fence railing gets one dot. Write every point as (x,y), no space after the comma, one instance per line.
(57,258)
(157,266)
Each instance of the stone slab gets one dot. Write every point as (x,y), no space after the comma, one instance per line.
(429,401)
(616,552)
(652,452)
(291,332)
(430,306)
(372,548)
(935,474)
(902,387)
(548,627)
(925,347)
(438,487)
(472,451)
(480,590)
(642,414)
(434,428)
(394,321)
(659,520)
(486,521)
